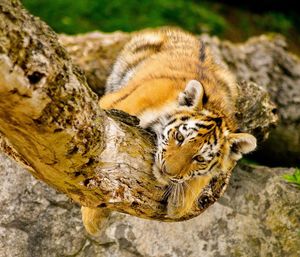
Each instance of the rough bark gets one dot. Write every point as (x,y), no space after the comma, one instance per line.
(51,123)
(51,119)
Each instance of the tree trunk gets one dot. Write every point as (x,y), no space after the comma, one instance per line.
(51,123)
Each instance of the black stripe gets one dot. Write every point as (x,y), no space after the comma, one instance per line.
(130,66)
(171,122)
(147,46)
(174,77)
(169,133)
(177,127)
(218,121)
(215,141)
(204,99)
(124,96)
(204,126)
(184,118)
(213,165)
(202,54)
(150,125)
(138,48)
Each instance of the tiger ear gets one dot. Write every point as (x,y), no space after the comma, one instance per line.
(192,95)
(241,143)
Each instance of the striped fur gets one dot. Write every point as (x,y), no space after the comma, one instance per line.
(169,80)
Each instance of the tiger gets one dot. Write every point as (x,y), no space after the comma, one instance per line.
(170,81)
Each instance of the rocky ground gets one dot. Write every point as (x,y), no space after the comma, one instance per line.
(257,216)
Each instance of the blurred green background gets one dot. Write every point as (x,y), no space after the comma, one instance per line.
(233,20)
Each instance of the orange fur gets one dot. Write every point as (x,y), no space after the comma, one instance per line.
(165,71)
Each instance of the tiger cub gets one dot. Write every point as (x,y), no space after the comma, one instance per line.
(168,79)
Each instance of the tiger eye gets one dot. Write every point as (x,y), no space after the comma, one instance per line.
(179,137)
(199,158)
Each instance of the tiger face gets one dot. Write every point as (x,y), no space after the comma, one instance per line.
(195,144)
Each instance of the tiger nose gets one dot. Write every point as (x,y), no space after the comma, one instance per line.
(169,171)
(172,174)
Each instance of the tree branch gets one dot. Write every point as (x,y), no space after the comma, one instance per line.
(52,124)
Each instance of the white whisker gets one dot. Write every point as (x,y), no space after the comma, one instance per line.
(167,192)
(182,193)
(176,195)
(191,189)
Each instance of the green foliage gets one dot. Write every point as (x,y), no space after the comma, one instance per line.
(76,16)
(293,178)
(275,22)
(248,161)
(197,16)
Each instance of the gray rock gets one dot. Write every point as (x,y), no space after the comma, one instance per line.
(34,219)
(258,216)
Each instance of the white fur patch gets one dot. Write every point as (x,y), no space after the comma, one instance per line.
(149,116)
(152,38)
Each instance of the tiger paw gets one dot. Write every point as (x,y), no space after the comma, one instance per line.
(94,219)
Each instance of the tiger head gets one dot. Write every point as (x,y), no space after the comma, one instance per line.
(195,141)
